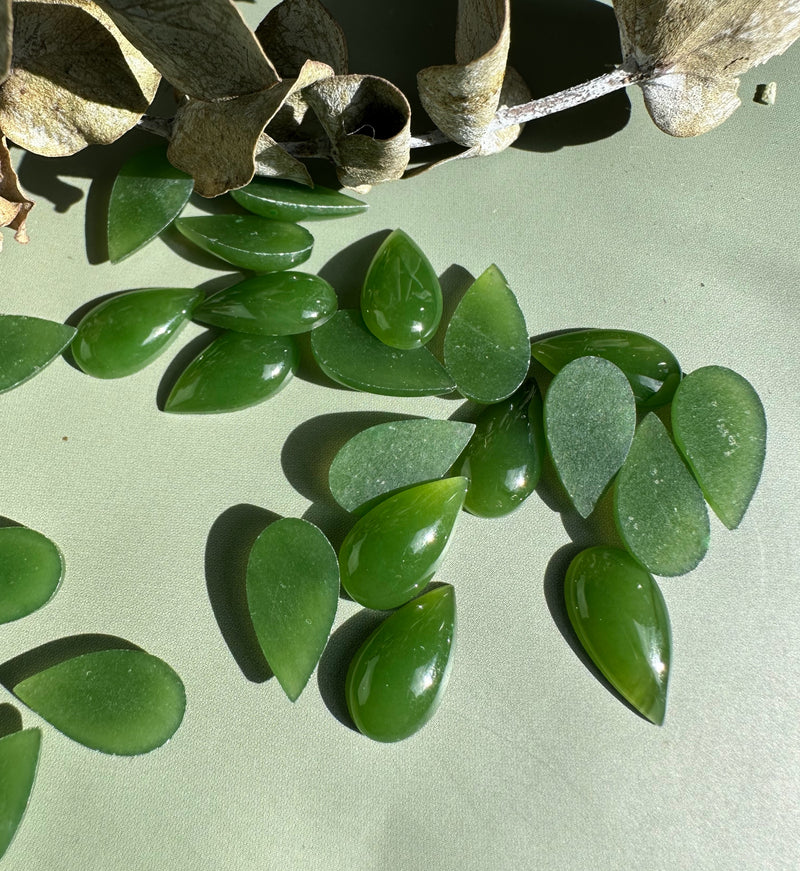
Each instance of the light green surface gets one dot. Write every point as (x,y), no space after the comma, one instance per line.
(530,763)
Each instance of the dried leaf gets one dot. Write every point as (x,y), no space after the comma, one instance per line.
(74,81)
(368,121)
(216,141)
(272,161)
(693,50)
(14,205)
(6,27)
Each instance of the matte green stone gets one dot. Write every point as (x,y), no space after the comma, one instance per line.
(122,335)
(589,421)
(719,426)
(394,455)
(392,552)
(621,619)
(652,369)
(249,241)
(659,509)
(486,346)
(123,702)
(397,678)
(31,568)
(292,594)
(235,371)
(283,200)
(401,300)
(274,304)
(347,352)
(27,345)
(503,460)
(19,757)
(148,194)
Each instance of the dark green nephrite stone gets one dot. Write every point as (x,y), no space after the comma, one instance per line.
(620,618)
(397,678)
(27,345)
(19,756)
(283,200)
(31,568)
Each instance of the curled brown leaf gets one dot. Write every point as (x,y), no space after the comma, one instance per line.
(6,27)
(14,205)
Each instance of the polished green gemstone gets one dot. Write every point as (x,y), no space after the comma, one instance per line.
(292,594)
(235,371)
(19,756)
(503,460)
(486,346)
(122,335)
(27,345)
(394,455)
(347,352)
(392,552)
(719,425)
(148,194)
(249,241)
(589,420)
(283,200)
(273,304)
(397,678)
(123,702)
(659,509)
(652,369)
(31,568)
(621,619)
(401,299)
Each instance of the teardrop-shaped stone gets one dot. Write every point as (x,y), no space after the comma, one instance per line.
(292,594)
(652,370)
(31,568)
(273,304)
(27,345)
(589,421)
(148,194)
(19,757)
(234,372)
(486,346)
(392,456)
(392,552)
(401,299)
(249,241)
(347,352)
(621,619)
(503,459)
(125,333)
(123,702)
(397,678)
(719,426)
(283,200)
(659,508)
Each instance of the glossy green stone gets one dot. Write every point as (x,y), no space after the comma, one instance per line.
(122,335)
(31,568)
(503,460)
(394,455)
(148,194)
(397,678)
(283,200)
(392,552)
(19,757)
(273,304)
(659,509)
(621,619)
(589,421)
(401,300)
(249,241)
(719,426)
(347,352)
(486,346)
(123,702)
(652,369)
(235,371)
(292,594)
(27,345)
